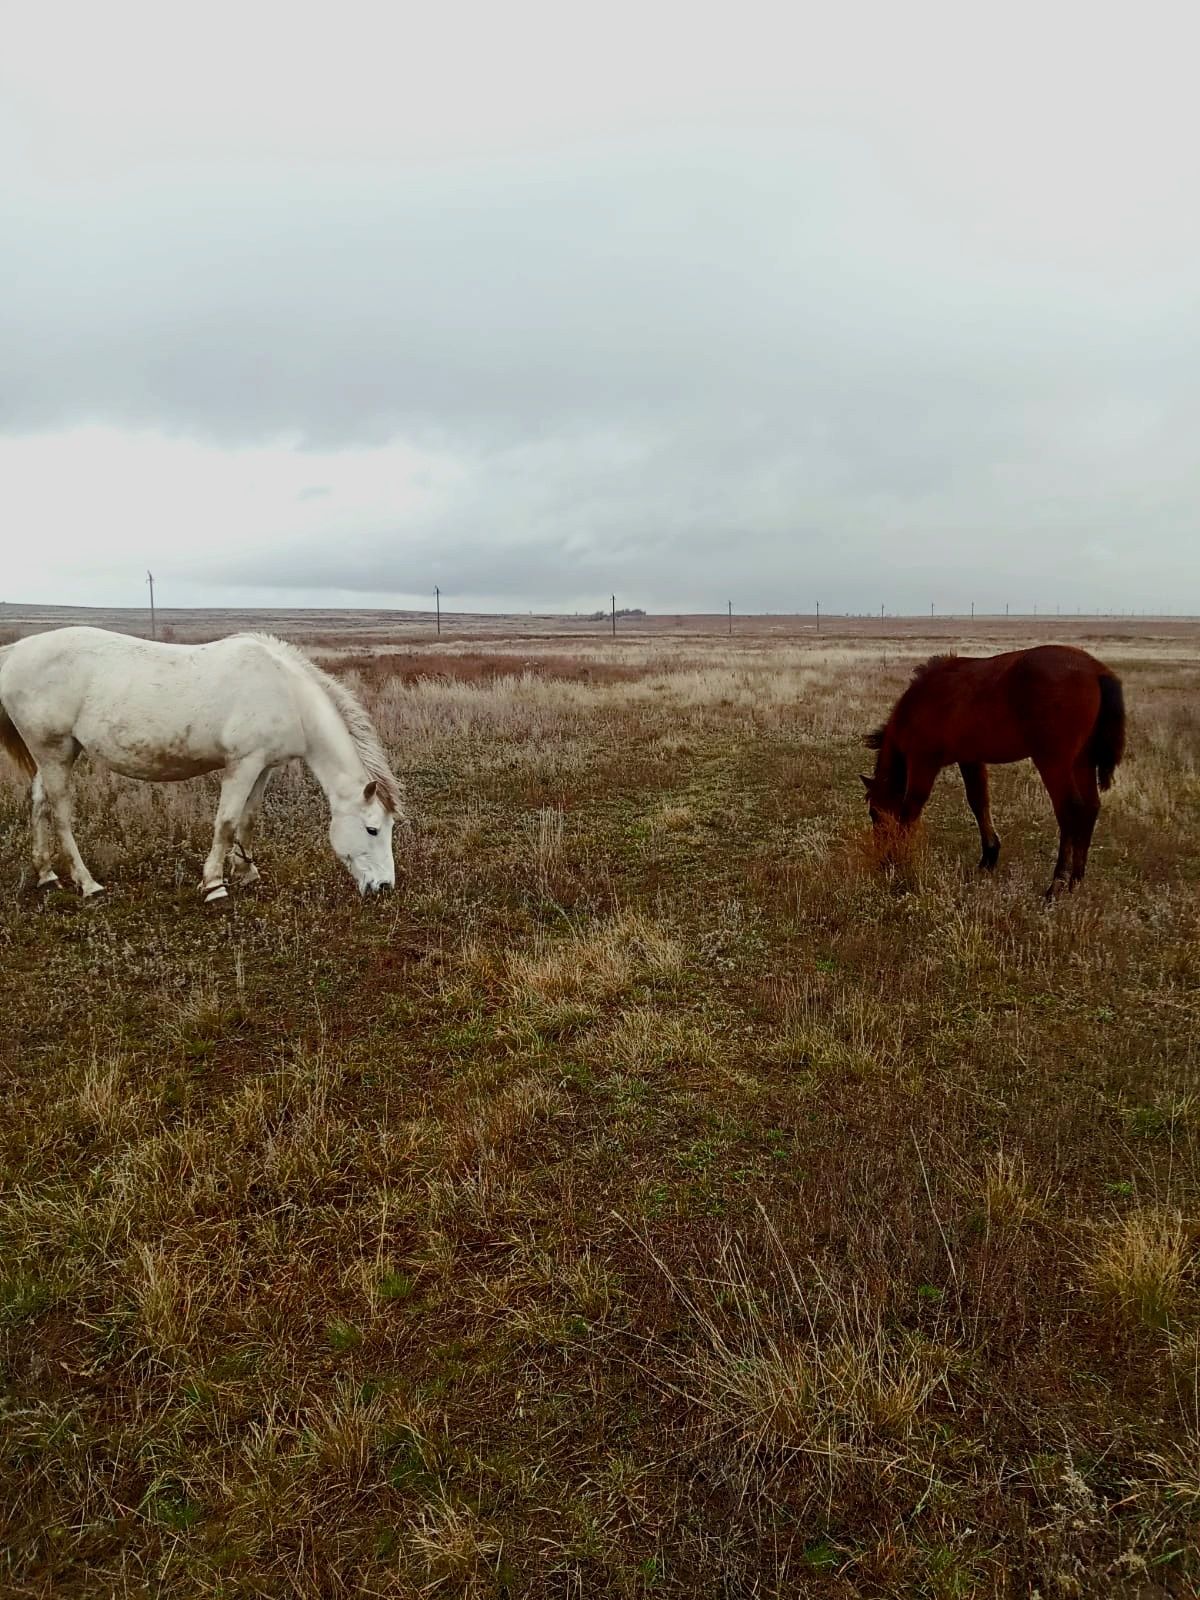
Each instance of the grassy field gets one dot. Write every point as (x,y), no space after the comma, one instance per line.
(650,1198)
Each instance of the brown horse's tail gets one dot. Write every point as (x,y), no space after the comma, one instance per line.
(12,742)
(1107,744)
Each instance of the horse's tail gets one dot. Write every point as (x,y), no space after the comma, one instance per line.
(11,740)
(1107,743)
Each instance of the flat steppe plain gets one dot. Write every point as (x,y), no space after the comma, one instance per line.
(652,1196)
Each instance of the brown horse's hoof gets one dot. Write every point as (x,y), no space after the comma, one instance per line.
(989,858)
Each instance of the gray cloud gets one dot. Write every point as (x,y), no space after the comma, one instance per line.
(764,366)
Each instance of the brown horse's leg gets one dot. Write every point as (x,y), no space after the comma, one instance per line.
(1060,786)
(975,781)
(1087,811)
(921,779)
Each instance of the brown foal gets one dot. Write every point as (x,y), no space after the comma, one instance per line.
(1054,705)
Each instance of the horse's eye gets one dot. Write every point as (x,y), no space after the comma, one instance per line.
(373,831)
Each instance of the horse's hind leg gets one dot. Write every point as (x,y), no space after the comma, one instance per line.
(43,834)
(975,781)
(1064,797)
(236,788)
(1087,810)
(246,871)
(55,775)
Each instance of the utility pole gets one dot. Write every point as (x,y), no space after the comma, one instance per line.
(972,611)
(818,616)
(153,622)
(730,605)
(614,615)
(437,598)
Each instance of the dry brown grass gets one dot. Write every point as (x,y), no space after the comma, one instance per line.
(652,1197)
(802,1376)
(598,963)
(1139,1264)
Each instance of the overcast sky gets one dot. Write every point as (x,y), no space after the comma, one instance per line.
(858,304)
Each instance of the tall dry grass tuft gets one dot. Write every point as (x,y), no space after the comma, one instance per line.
(597,963)
(459,1550)
(645,1038)
(490,1125)
(1010,1196)
(1176,1464)
(1138,1264)
(788,1370)
(546,833)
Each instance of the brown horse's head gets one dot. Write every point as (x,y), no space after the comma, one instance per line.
(885,787)
(883,804)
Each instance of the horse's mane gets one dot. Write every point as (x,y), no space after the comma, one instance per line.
(934,662)
(875,739)
(358,724)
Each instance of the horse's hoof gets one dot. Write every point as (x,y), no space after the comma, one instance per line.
(94,892)
(247,880)
(50,881)
(217,892)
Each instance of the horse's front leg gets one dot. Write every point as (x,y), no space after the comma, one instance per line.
(236,787)
(55,775)
(975,781)
(918,788)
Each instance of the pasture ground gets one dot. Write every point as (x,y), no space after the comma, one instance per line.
(650,1198)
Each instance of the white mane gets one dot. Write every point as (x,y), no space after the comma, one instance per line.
(358,724)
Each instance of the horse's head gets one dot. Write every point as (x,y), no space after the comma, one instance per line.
(883,805)
(885,787)
(360,831)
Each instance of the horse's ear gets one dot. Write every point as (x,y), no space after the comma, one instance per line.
(370,791)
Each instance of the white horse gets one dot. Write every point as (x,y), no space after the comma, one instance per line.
(163,712)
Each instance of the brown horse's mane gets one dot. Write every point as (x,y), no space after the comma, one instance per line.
(874,739)
(934,662)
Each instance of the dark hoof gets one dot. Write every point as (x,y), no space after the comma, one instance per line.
(990,856)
